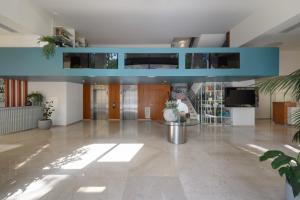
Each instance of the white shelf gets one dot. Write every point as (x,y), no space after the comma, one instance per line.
(215,106)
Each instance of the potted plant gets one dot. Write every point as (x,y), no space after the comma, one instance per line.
(48,109)
(52,43)
(286,165)
(171,112)
(36,98)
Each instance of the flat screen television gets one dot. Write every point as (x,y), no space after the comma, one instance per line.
(241,97)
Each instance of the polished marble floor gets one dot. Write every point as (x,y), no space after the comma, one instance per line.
(132,160)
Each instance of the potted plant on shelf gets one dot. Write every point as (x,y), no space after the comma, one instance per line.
(48,109)
(51,43)
(286,165)
(36,98)
(171,112)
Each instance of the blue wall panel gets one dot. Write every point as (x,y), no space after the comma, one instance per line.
(256,62)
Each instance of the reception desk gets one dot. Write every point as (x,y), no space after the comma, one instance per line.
(14,119)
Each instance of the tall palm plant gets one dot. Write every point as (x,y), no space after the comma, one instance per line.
(289,84)
(286,165)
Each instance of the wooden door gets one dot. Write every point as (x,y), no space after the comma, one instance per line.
(153,96)
(86,101)
(114,101)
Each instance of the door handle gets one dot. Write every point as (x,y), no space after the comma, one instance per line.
(114,105)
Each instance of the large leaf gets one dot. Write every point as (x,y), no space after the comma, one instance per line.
(294,180)
(270,154)
(281,160)
(289,83)
(284,171)
(296,137)
(296,118)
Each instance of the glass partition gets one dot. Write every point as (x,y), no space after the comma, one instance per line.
(224,60)
(151,61)
(76,60)
(196,60)
(91,60)
(106,60)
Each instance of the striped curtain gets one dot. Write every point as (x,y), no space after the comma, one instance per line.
(15,92)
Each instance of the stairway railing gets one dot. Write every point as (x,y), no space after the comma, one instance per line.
(195,100)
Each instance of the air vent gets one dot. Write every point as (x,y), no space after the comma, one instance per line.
(2,26)
(291,28)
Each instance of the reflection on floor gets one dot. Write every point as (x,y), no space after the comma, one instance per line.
(132,160)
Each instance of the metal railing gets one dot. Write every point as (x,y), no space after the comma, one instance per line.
(195,100)
(14,119)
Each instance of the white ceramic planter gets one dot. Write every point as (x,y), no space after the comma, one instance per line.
(289,192)
(45,124)
(169,115)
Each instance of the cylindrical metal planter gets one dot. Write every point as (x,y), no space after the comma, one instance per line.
(177,134)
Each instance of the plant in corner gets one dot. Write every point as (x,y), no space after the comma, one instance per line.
(286,165)
(47,109)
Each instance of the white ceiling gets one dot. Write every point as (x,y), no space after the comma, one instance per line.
(148,21)
(285,35)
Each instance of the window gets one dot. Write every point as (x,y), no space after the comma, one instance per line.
(151,61)
(91,60)
(106,60)
(76,60)
(224,60)
(196,60)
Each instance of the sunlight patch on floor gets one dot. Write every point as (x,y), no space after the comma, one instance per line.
(7,147)
(291,148)
(122,153)
(37,188)
(19,165)
(259,148)
(91,189)
(81,157)
(249,151)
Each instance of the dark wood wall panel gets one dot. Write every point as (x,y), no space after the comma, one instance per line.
(114,101)
(86,101)
(153,96)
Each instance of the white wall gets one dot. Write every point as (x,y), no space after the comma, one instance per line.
(289,62)
(74,102)
(67,99)
(19,41)
(264,109)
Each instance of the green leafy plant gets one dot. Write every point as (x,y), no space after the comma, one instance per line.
(36,98)
(286,165)
(52,42)
(48,109)
(173,106)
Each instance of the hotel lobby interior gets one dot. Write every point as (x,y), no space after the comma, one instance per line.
(150,100)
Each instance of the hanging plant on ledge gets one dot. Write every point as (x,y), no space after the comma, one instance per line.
(52,43)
